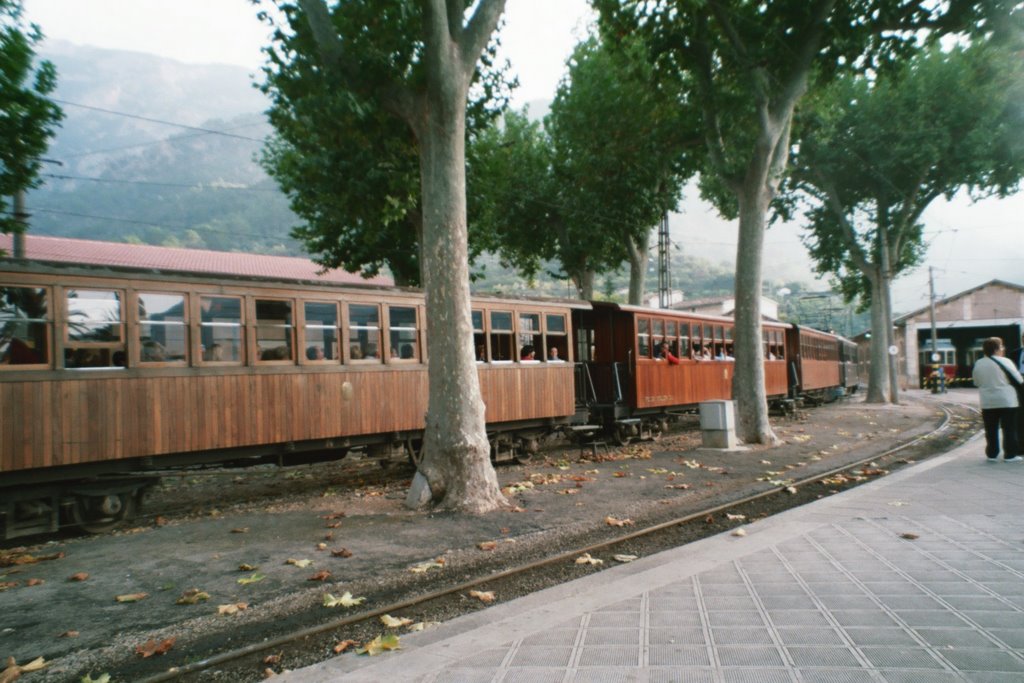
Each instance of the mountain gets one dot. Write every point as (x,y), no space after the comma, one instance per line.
(126,173)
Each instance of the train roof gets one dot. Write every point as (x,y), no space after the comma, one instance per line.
(821,333)
(64,250)
(675,313)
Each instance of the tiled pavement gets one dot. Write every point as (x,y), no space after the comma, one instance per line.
(829,593)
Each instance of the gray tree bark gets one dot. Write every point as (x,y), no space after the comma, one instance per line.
(638,254)
(878,373)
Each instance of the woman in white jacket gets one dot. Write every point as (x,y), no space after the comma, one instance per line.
(998,396)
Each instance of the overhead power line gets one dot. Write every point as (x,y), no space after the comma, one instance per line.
(208,131)
(196,186)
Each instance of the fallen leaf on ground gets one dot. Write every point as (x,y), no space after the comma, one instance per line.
(232,608)
(393,622)
(424,566)
(248,567)
(585,558)
(735,518)
(160,520)
(791,489)
(255,578)
(485,597)
(612,521)
(87,678)
(68,634)
(678,486)
(739,532)
(35,582)
(341,552)
(380,644)
(422,625)
(344,645)
(346,600)
(193,596)
(272,660)
(240,530)
(151,647)
(321,546)
(322,575)
(301,564)
(333,515)
(487,545)
(11,559)
(132,597)
(80,576)
(269,673)
(624,558)
(909,536)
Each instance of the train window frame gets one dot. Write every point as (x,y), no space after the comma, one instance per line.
(533,337)
(685,341)
(140,353)
(114,351)
(271,355)
(205,357)
(643,338)
(6,341)
(414,345)
(672,336)
(350,345)
(308,345)
(556,336)
(481,344)
(501,334)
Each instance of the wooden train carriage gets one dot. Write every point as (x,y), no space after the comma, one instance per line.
(105,371)
(849,365)
(814,361)
(620,345)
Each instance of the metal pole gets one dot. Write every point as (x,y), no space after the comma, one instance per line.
(664,281)
(21,223)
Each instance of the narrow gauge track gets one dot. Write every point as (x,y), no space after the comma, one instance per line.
(315,642)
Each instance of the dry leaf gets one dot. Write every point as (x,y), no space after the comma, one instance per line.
(344,645)
(321,546)
(160,520)
(739,532)
(735,518)
(341,552)
(273,660)
(80,576)
(151,647)
(485,597)
(624,558)
(392,622)
(585,558)
(611,521)
(421,626)
(791,489)
(240,530)
(69,634)
(487,545)
(322,575)
(424,566)
(35,582)
(132,597)
(104,678)
(909,536)
(678,486)
(233,608)
(301,564)
(380,644)
(255,578)
(333,515)
(248,567)
(346,600)
(269,673)
(192,596)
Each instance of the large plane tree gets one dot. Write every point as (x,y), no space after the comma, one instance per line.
(416,61)
(876,152)
(751,63)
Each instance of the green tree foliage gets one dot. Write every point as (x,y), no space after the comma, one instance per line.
(876,152)
(349,165)
(751,63)
(28,118)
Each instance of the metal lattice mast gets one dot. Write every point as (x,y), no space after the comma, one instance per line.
(664,262)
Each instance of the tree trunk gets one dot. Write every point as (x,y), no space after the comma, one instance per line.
(878,372)
(456,454)
(638,254)
(748,381)
(886,301)
(585,284)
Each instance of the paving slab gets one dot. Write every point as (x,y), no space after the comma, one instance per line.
(916,577)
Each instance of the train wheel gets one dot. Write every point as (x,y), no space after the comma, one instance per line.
(621,435)
(100,513)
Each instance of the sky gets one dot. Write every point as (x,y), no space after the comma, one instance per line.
(969,244)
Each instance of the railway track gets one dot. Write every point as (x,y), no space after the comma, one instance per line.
(304,645)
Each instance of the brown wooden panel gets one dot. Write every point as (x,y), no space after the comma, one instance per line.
(819,374)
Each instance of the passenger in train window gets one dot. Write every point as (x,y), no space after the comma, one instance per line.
(528,353)
(355,352)
(662,353)
(371,351)
(153,352)
(408,352)
(553,354)
(215,353)
(315,353)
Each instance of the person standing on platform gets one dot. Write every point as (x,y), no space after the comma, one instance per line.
(997,381)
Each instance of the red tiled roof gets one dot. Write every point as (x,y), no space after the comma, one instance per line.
(65,250)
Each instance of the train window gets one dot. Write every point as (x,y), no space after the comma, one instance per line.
(163,328)
(684,341)
(657,333)
(220,328)
(94,329)
(364,332)
(729,348)
(502,341)
(274,331)
(479,338)
(24,329)
(320,331)
(766,344)
(404,338)
(556,342)
(530,340)
(780,345)
(643,338)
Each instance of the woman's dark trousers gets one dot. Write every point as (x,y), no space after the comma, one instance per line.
(1006,419)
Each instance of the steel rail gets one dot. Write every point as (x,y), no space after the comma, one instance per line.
(280,641)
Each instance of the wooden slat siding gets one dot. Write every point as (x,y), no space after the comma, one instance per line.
(775,378)
(819,374)
(527,392)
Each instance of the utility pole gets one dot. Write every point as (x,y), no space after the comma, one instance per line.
(931,311)
(21,223)
(664,265)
